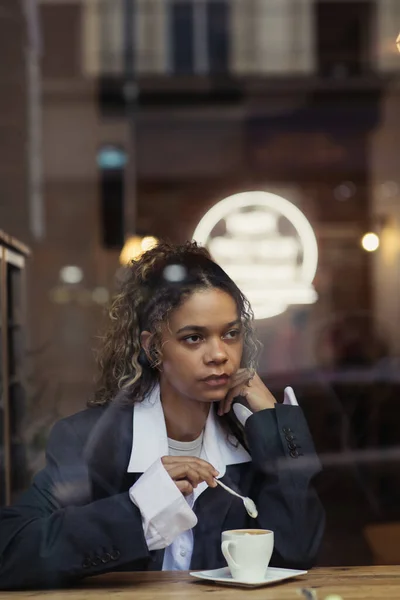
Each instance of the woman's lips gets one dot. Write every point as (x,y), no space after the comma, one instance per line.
(220,381)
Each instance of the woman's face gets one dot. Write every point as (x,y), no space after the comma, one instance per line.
(202,346)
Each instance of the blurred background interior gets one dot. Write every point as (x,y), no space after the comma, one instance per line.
(124,118)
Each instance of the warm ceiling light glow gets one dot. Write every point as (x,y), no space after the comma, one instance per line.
(370,242)
(135,246)
(149,242)
(398,42)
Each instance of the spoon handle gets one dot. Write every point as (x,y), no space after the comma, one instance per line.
(228,489)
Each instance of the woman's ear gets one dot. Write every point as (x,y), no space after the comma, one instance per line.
(145,341)
(148,356)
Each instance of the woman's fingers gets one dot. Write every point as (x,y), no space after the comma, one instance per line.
(184,487)
(184,471)
(193,460)
(194,470)
(225,405)
(240,381)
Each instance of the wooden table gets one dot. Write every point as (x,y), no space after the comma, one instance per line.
(351,583)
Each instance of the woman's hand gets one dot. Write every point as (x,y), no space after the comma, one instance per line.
(248,384)
(187,472)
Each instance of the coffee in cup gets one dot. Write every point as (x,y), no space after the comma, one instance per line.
(248,531)
(248,552)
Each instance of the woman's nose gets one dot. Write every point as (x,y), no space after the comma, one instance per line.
(216,353)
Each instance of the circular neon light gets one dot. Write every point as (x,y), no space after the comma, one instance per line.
(251,222)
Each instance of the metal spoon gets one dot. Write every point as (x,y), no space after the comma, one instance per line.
(248,502)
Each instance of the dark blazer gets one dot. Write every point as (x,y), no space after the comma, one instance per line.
(77,519)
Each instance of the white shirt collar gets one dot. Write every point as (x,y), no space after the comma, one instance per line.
(150,441)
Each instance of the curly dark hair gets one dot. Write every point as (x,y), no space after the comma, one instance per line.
(152,286)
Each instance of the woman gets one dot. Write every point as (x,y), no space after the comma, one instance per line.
(129,483)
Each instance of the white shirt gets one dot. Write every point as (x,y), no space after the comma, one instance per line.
(167,515)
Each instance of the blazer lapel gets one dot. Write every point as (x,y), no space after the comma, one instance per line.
(109,446)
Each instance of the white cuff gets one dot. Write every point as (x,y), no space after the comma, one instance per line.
(243,413)
(289,397)
(165,512)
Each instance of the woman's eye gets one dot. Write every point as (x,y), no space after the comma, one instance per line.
(192,339)
(231,335)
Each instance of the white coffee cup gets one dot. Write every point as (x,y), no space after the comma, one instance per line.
(248,552)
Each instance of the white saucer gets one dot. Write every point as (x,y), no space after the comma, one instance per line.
(272,575)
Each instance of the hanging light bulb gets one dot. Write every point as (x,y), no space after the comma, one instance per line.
(135,246)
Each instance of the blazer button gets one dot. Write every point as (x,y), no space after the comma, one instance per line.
(106,558)
(115,554)
(96,561)
(286,430)
(294,454)
(289,437)
(86,563)
(292,446)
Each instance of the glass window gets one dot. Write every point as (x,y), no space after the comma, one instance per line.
(199,36)
(217,35)
(182,28)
